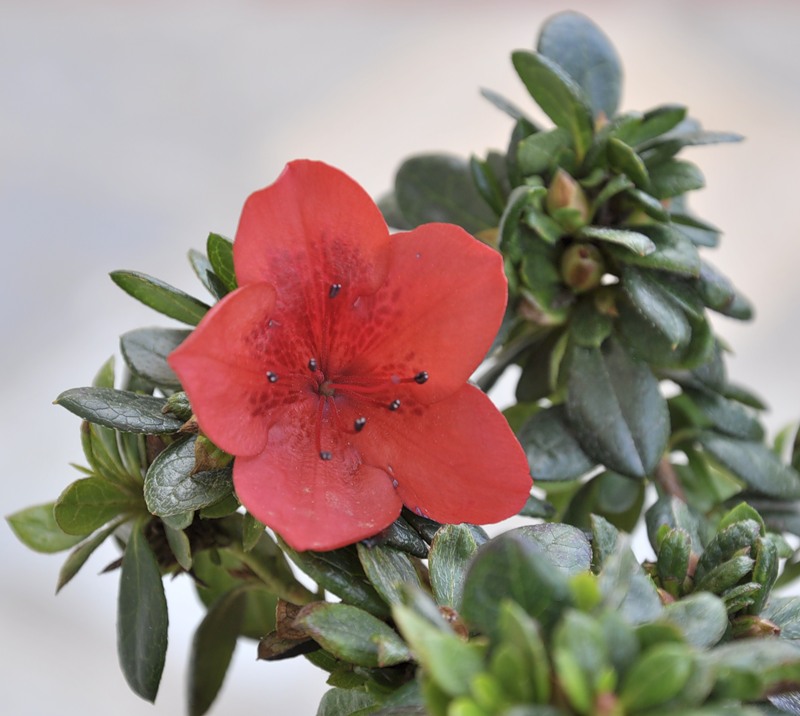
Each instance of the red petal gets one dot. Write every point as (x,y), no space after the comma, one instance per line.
(454,461)
(438,311)
(313,503)
(222,366)
(312,229)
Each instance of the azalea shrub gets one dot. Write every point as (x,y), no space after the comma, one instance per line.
(323,421)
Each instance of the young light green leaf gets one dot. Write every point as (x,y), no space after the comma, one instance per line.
(171,487)
(353,635)
(87,504)
(673,178)
(540,153)
(141,618)
(581,48)
(36,528)
(145,350)
(120,410)
(212,649)
(161,296)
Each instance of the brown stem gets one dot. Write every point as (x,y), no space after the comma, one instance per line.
(667,479)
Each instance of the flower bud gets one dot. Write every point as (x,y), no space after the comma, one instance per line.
(582,267)
(566,201)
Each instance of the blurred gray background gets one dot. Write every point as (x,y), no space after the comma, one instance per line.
(129,130)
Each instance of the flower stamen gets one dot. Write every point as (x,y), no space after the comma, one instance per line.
(395,404)
(333,292)
(272,377)
(359,424)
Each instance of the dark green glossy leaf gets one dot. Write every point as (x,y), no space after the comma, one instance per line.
(539,154)
(145,350)
(179,544)
(673,178)
(720,295)
(171,486)
(616,409)
(353,635)
(625,160)
(488,184)
(345,702)
(252,530)
(617,498)
(564,545)
(785,612)
(77,558)
(440,188)
(561,98)
(582,49)
(87,504)
(634,241)
(753,463)
(513,567)
(674,555)
(220,254)
(748,669)
(340,572)
(141,618)
(553,450)
(673,252)
(588,327)
(542,283)
(451,551)
(212,649)
(389,570)
(626,588)
(656,307)
(120,410)
(37,529)
(677,514)
(161,296)
(726,415)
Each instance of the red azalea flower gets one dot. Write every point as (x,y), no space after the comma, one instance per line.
(337,372)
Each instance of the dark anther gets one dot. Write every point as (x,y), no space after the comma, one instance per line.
(334,290)
(421,377)
(312,364)
(325,455)
(394,405)
(360,423)
(271,377)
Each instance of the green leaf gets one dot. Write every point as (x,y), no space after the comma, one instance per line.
(553,451)
(582,49)
(673,178)
(653,124)
(720,295)
(677,514)
(81,553)
(340,572)
(748,669)
(353,635)
(656,307)
(212,649)
(145,350)
(615,406)
(658,676)
(205,272)
(634,241)
(120,409)
(626,588)
(701,617)
(440,188)
(345,702)
(252,530)
(161,296)
(588,327)
(87,504)
(672,251)
(171,487)
(564,545)
(220,254)
(540,153)
(451,662)
(37,529)
(625,160)
(141,618)
(389,571)
(561,98)
(753,463)
(487,184)
(513,567)
(450,554)
(726,415)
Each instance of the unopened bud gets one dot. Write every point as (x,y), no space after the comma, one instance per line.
(582,267)
(748,626)
(566,202)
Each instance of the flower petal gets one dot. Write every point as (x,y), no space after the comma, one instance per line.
(222,366)
(438,311)
(312,230)
(456,460)
(313,503)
